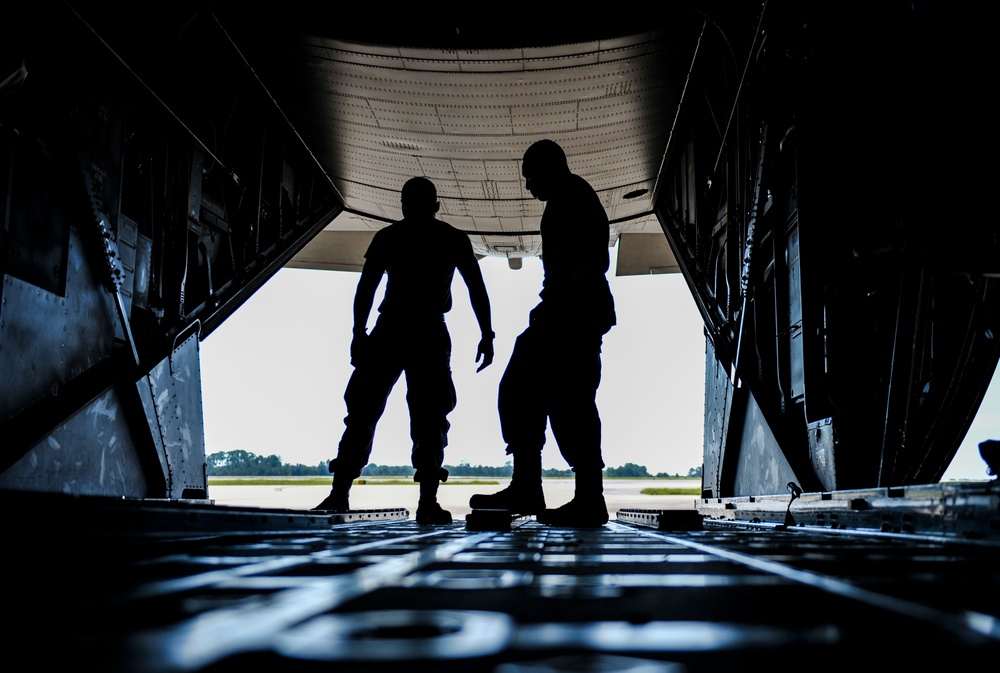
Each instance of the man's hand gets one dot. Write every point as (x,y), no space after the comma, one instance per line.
(536,315)
(485,351)
(359,348)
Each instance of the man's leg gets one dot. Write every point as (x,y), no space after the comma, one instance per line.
(576,426)
(366,395)
(430,396)
(522,423)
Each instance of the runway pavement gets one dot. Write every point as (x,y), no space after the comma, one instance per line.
(453,495)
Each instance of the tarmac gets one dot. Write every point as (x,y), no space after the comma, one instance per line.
(453,495)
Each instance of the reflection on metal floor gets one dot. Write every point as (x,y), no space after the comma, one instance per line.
(183,586)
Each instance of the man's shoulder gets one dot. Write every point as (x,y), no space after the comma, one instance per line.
(388,240)
(446,229)
(434,232)
(429,224)
(446,226)
(389,229)
(578,182)
(577,195)
(572,187)
(401,229)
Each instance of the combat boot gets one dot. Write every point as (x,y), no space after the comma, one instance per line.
(587,509)
(524,494)
(338,500)
(429,511)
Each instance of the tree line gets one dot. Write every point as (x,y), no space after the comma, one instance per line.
(240,463)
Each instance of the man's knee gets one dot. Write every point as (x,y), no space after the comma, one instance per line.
(347,466)
(430,473)
(588,462)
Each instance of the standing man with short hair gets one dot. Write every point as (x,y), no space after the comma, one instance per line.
(555,367)
(419,254)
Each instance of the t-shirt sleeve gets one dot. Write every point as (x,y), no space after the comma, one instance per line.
(464,247)
(377,248)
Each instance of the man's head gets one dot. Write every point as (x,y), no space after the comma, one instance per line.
(419,198)
(543,164)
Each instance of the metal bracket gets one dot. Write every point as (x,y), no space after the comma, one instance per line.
(112,259)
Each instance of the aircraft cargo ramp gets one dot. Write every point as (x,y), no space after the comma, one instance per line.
(185,586)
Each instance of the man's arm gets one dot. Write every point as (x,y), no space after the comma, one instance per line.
(364,297)
(480,300)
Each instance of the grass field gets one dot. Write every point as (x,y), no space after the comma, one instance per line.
(671,491)
(400,481)
(325,481)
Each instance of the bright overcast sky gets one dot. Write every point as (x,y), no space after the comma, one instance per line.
(273,375)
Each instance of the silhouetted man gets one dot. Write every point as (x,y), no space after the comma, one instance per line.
(419,254)
(555,367)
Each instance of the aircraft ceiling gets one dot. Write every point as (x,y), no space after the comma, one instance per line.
(383,95)
(378,102)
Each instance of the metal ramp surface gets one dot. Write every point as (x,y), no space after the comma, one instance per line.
(163,588)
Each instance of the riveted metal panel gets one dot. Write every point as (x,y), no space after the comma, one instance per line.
(47,339)
(92,453)
(175,387)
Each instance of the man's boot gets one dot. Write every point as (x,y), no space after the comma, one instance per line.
(343,479)
(428,509)
(587,509)
(524,494)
